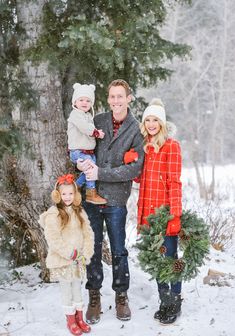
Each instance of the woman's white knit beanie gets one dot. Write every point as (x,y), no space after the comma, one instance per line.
(156,109)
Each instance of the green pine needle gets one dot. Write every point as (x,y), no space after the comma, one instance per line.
(194,248)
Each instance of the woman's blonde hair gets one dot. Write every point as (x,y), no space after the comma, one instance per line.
(158,140)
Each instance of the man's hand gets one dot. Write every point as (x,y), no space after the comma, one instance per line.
(92,172)
(84,165)
(101,134)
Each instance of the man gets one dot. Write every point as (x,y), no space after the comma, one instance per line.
(114,180)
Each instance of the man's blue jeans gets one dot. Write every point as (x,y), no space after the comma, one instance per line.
(76,154)
(171,244)
(115,219)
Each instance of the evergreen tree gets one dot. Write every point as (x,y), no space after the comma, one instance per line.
(46,46)
(112,39)
(98,41)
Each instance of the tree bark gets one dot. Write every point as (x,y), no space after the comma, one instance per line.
(31,176)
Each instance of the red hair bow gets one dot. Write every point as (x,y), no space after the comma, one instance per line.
(65,179)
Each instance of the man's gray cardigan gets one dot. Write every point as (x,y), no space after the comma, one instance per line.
(114,177)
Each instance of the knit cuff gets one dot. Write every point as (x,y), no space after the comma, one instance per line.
(78,305)
(69,310)
(95,133)
(74,254)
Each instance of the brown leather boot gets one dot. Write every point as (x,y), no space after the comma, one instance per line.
(93,197)
(94,307)
(122,307)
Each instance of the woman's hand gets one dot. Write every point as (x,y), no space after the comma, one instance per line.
(130,156)
(173,226)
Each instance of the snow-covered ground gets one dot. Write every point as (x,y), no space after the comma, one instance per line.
(31,308)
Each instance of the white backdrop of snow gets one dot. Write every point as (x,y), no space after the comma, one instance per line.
(29,307)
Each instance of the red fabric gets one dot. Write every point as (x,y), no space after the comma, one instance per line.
(69,179)
(116,126)
(74,254)
(95,133)
(130,156)
(173,226)
(160,181)
(80,322)
(136,179)
(88,151)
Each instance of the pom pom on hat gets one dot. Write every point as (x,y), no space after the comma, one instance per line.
(84,90)
(156,109)
(156,101)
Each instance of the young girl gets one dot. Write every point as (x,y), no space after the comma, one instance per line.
(82,135)
(160,185)
(70,247)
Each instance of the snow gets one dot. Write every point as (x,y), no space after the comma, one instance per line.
(29,307)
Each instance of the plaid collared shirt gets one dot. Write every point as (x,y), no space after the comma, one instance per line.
(116,126)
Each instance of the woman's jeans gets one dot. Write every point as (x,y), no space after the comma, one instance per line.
(115,219)
(171,244)
(76,154)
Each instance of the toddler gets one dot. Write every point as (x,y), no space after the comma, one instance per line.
(82,135)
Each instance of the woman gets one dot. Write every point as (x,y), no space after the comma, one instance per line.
(160,185)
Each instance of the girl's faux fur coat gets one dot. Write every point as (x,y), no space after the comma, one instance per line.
(63,241)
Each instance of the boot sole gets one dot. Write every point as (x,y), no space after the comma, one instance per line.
(93,321)
(123,318)
(167,324)
(171,323)
(95,203)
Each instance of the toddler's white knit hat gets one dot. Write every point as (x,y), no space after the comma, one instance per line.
(156,109)
(83,91)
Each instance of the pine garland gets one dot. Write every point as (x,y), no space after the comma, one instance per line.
(193,241)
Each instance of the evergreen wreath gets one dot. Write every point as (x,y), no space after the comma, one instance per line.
(193,241)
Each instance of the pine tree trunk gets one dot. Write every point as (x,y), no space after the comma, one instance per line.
(31,176)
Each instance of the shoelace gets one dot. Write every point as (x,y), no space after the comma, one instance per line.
(94,299)
(121,300)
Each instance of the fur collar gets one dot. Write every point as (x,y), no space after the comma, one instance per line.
(171,129)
